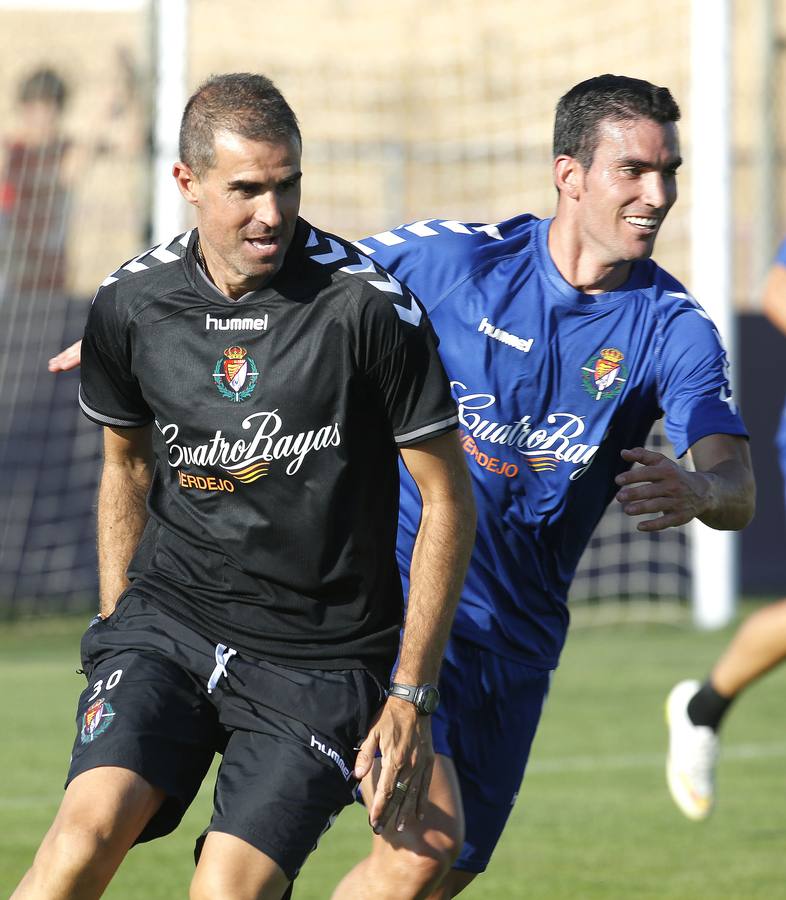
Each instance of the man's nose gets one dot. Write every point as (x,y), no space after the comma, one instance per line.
(656,192)
(268,210)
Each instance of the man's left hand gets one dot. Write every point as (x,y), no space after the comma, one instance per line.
(66,359)
(404,740)
(660,485)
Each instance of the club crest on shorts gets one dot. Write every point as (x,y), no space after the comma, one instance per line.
(96,720)
(235,375)
(604,374)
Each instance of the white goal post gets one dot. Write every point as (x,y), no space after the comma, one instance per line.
(714,553)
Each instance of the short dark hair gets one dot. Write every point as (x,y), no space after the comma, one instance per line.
(44,84)
(242,103)
(616,97)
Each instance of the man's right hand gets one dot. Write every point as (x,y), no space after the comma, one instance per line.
(403,739)
(66,359)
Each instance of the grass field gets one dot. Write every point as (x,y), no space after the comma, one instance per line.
(593,820)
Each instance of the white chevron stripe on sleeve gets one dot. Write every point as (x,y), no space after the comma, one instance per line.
(365,265)
(135,265)
(363,248)
(457,227)
(391,286)
(490,230)
(337,252)
(411,315)
(166,256)
(421,229)
(388,238)
(186,238)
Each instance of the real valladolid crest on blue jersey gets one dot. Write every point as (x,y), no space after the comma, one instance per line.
(236,375)
(97,718)
(604,374)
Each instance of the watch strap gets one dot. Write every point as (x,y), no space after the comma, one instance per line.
(403,691)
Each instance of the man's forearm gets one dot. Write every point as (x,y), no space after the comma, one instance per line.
(439,563)
(122,516)
(730,498)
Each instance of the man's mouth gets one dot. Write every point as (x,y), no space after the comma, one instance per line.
(262,243)
(644,222)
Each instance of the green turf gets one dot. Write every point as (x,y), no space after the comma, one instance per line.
(593,819)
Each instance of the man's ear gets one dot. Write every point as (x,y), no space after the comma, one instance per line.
(187,182)
(568,175)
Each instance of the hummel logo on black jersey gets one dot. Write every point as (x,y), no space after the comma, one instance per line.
(518,343)
(259,324)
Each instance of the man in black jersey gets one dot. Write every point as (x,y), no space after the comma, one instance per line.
(257,380)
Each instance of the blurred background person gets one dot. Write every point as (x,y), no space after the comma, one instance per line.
(694,711)
(48,458)
(34,193)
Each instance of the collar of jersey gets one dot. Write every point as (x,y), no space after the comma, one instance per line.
(288,282)
(636,280)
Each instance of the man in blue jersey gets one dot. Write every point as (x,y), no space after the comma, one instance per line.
(563,343)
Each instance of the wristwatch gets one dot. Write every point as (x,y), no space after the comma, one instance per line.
(424,697)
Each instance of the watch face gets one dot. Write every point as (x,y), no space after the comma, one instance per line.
(428,701)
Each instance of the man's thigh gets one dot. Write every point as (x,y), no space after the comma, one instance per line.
(144,713)
(486,723)
(282,782)
(230,867)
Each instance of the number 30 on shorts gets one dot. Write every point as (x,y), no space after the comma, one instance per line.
(110,683)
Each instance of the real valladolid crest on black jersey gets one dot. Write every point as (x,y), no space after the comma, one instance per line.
(277,421)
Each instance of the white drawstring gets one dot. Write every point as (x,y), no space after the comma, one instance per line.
(223,655)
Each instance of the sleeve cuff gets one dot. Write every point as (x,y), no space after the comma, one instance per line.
(426,431)
(102,419)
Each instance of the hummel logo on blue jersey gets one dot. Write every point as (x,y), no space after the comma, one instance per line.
(512,340)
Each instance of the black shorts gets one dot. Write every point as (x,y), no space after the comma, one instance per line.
(287,735)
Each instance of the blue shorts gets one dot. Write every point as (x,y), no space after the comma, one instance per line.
(488,714)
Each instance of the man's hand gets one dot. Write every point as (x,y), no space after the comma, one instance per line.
(721,492)
(66,359)
(439,561)
(404,739)
(660,485)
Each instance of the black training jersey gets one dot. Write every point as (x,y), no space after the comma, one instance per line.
(277,420)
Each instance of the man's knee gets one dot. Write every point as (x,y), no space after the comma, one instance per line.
(102,813)
(420,858)
(78,846)
(439,848)
(74,857)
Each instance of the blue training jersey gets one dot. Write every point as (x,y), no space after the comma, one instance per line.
(551,384)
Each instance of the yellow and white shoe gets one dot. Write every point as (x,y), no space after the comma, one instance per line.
(693,753)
